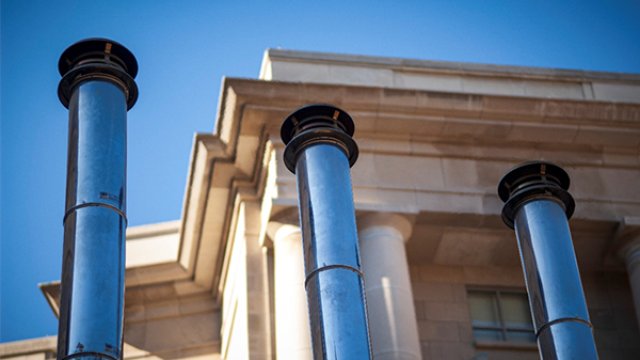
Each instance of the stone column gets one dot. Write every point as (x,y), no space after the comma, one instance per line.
(293,336)
(631,256)
(390,307)
(629,235)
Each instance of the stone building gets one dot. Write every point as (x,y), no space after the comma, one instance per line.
(442,273)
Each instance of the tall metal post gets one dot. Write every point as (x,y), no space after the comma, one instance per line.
(320,151)
(98,88)
(538,206)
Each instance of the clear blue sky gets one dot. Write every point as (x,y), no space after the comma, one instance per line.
(184,48)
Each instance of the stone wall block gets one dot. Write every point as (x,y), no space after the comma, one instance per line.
(465,332)
(433,292)
(134,313)
(292,71)
(459,293)
(403,100)
(413,80)
(598,135)
(451,104)
(494,276)
(165,310)
(441,274)
(325,94)
(554,110)
(516,109)
(627,112)
(198,305)
(450,351)
(465,128)
(441,311)
(439,331)
(360,99)
(359,75)
(415,125)
(533,132)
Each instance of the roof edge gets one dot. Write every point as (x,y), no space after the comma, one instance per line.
(467,68)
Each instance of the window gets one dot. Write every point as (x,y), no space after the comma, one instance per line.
(500,316)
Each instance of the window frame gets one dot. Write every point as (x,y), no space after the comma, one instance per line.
(502,327)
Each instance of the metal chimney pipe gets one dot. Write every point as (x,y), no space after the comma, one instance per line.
(97,87)
(320,151)
(538,206)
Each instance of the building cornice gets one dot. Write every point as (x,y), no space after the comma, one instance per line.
(251,112)
(463,68)
(450,67)
(233,159)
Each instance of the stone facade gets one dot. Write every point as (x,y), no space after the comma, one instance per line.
(435,138)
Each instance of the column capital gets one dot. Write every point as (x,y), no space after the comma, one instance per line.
(281,225)
(277,230)
(401,223)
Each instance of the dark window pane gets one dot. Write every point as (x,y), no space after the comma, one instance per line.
(515,311)
(484,309)
(501,316)
(521,336)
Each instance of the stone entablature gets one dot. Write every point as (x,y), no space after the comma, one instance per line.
(455,77)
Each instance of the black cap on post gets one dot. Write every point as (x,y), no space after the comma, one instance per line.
(533,180)
(97,58)
(314,124)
